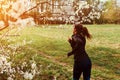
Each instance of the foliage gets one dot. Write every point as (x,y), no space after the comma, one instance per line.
(88,11)
(111,9)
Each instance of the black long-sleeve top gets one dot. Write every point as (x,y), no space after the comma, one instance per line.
(78,43)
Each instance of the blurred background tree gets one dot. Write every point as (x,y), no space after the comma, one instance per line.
(111,9)
(60,11)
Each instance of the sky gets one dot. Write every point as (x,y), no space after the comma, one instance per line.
(103,0)
(118,2)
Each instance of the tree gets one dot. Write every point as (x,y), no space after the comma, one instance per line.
(87,11)
(110,13)
(11,11)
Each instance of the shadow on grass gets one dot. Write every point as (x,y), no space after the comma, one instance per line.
(105,57)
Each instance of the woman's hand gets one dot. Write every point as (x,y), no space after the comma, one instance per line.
(69,39)
(69,54)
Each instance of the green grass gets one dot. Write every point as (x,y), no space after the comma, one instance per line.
(103,49)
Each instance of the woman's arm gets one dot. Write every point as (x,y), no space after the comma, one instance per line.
(71,41)
(78,42)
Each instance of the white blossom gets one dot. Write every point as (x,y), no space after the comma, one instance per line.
(33,65)
(10,78)
(28,76)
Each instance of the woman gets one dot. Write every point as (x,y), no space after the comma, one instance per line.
(82,62)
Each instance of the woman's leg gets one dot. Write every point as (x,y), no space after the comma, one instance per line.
(77,70)
(87,72)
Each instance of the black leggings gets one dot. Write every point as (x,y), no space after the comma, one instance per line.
(82,67)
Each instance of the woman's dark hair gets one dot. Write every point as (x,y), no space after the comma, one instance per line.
(82,30)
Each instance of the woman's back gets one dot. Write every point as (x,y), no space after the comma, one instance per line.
(78,46)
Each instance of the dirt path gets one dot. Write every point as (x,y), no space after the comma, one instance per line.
(56,61)
(52,59)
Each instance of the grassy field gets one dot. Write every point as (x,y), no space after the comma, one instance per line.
(49,47)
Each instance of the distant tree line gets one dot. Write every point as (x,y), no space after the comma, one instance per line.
(107,12)
(67,11)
